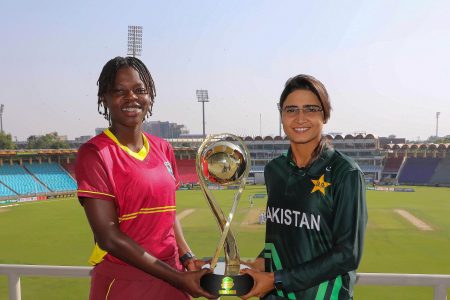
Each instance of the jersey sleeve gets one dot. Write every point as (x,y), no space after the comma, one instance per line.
(91,175)
(348,237)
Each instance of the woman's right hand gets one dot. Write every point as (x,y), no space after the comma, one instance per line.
(257,264)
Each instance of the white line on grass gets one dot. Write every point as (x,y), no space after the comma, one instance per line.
(185,213)
(421,225)
(5,206)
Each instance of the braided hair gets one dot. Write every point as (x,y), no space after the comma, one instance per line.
(108,76)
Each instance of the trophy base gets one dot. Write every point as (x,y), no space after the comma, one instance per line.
(223,285)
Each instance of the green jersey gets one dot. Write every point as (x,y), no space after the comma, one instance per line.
(316,219)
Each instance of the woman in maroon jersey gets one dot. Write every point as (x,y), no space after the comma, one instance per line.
(126,183)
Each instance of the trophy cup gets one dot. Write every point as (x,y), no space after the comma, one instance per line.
(223,159)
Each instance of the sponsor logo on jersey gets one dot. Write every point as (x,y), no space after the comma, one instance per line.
(292,217)
(320,185)
(169,168)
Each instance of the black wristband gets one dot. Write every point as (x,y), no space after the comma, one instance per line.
(185,257)
(277,282)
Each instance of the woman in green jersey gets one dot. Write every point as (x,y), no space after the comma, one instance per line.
(316,211)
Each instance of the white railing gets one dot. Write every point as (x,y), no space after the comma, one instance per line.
(440,283)
(14,272)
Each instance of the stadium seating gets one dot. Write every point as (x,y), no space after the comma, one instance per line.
(52,175)
(5,191)
(370,168)
(392,164)
(20,181)
(257,169)
(70,168)
(442,174)
(418,170)
(186,170)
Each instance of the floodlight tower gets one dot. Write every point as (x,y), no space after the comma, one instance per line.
(1,117)
(134,40)
(202,96)
(279,122)
(437,123)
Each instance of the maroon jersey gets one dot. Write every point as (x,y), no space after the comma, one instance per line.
(141,185)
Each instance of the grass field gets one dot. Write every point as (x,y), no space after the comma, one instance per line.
(56,232)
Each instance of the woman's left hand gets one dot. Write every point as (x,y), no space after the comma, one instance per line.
(263,283)
(195,264)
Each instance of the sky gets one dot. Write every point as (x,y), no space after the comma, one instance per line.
(385,63)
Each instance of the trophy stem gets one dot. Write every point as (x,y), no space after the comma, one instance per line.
(232,261)
(227,240)
(230,268)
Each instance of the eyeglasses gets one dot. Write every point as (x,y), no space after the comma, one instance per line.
(293,111)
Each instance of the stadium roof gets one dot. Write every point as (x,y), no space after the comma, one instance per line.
(28,152)
(412,146)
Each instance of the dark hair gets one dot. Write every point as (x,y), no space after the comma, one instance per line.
(309,83)
(108,76)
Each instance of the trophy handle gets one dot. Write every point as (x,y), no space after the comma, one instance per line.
(227,239)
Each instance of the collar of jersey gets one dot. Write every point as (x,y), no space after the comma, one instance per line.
(141,155)
(317,165)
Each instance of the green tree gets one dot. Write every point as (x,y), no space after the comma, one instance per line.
(443,140)
(47,141)
(439,140)
(6,141)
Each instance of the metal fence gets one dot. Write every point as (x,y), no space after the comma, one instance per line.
(440,283)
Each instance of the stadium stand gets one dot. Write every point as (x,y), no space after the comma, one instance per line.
(5,191)
(442,174)
(47,171)
(255,169)
(418,170)
(20,181)
(53,176)
(70,168)
(392,164)
(186,170)
(370,169)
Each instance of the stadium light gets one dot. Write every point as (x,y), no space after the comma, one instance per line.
(202,96)
(279,123)
(134,40)
(437,123)
(2,107)
(260,132)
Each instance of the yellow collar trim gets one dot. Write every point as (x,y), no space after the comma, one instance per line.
(141,155)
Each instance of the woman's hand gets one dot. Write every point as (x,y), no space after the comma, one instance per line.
(257,264)
(195,264)
(263,283)
(190,282)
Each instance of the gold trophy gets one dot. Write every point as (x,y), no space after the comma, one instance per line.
(224,159)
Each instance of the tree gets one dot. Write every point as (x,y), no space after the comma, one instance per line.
(48,141)
(6,141)
(443,140)
(439,140)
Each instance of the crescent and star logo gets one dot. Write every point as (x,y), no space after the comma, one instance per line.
(320,185)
